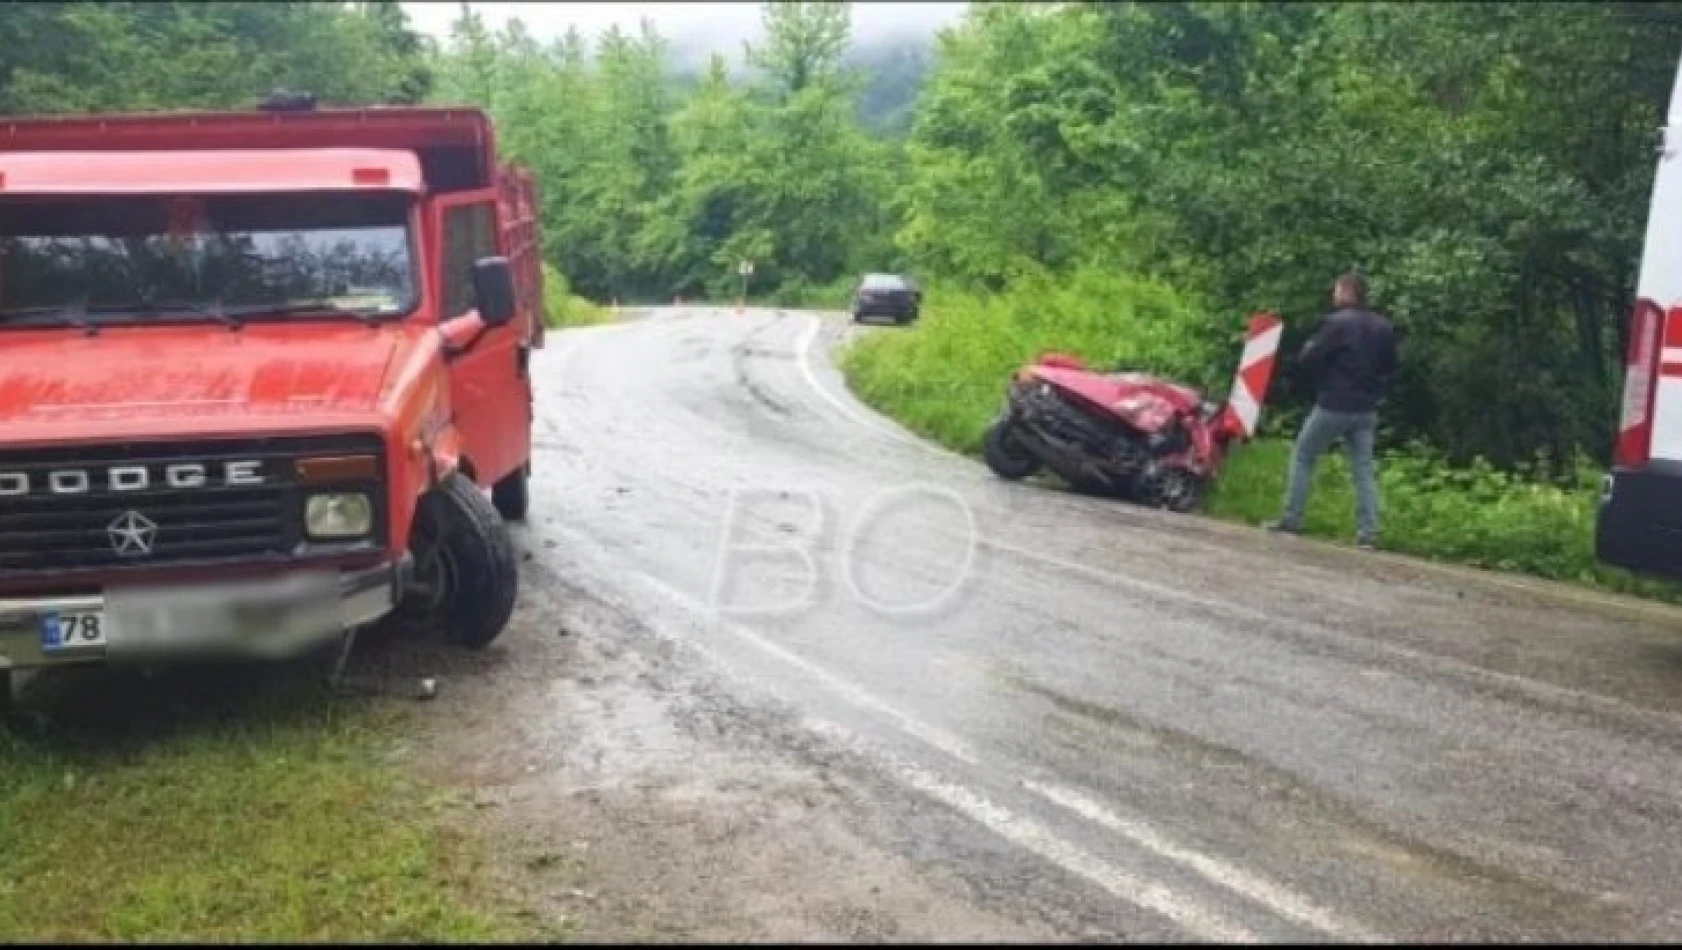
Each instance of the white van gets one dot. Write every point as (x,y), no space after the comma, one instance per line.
(1640,521)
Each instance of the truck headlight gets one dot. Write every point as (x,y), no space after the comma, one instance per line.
(338,515)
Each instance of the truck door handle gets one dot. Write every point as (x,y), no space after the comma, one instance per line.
(522,359)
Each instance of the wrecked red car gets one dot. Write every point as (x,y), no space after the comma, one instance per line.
(1129,435)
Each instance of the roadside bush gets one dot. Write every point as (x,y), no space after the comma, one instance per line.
(1477,515)
(798,293)
(562,308)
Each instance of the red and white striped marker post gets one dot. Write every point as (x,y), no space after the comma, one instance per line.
(1255,372)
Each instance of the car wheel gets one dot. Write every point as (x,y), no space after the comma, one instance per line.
(512,495)
(1175,490)
(1005,454)
(466,574)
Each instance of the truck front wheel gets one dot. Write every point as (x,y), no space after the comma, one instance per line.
(466,575)
(512,495)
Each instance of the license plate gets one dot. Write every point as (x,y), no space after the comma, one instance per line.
(72,630)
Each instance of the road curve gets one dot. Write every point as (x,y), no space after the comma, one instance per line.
(1098,719)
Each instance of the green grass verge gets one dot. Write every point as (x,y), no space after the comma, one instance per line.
(797,294)
(946,379)
(562,308)
(1473,516)
(236,808)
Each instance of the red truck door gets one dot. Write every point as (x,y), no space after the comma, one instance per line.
(490,385)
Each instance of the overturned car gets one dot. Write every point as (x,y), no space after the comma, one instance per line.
(1129,435)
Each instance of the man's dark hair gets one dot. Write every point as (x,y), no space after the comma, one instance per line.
(1353,283)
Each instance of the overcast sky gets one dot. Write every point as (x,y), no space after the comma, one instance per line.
(704,27)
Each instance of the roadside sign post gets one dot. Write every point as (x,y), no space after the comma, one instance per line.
(744,270)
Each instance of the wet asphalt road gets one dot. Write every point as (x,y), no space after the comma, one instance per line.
(1102,717)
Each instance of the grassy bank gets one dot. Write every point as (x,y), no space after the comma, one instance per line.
(946,379)
(247,808)
(797,294)
(563,308)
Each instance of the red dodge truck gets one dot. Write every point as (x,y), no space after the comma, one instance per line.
(263,380)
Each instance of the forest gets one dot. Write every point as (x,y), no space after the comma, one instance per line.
(1486,164)
(1128,180)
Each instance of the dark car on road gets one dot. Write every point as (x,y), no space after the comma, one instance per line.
(887,295)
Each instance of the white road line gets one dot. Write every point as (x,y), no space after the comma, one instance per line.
(1151,896)
(1233,878)
(803,352)
(1032,836)
(937,738)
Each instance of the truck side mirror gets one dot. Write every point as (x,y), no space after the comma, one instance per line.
(493,290)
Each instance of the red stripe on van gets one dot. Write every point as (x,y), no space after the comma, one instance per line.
(1673,327)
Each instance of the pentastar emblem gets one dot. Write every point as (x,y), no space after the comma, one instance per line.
(132,534)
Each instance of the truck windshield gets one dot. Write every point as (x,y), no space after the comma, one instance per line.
(148,258)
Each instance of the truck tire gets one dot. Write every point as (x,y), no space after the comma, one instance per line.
(1005,455)
(6,693)
(512,495)
(466,572)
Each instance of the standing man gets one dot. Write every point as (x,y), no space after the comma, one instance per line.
(1351,358)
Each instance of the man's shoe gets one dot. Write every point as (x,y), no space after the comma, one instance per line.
(1280,527)
(1367,544)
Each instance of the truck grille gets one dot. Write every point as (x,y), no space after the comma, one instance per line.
(143,504)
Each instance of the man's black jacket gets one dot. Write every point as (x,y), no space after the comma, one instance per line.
(1351,358)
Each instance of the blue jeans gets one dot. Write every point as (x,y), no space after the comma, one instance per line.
(1322,428)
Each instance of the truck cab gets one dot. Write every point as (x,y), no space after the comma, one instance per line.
(264,380)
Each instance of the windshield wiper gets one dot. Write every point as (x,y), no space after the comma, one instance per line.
(283,309)
(214,310)
(77,313)
(73,314)
(235,317)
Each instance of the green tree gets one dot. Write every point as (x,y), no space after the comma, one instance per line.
(78,57)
